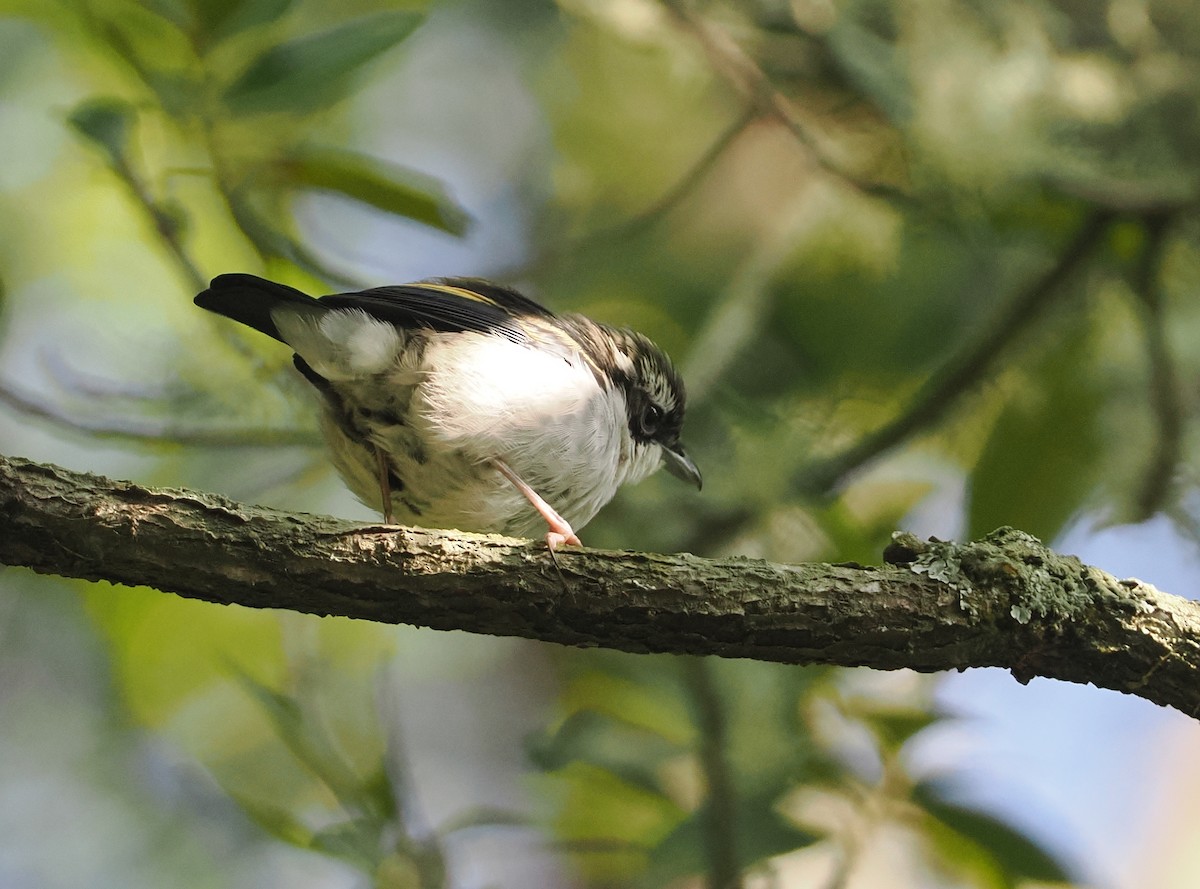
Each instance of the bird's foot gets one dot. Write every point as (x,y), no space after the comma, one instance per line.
(561,531)
(555,539)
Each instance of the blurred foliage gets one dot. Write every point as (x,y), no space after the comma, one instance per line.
(920,264)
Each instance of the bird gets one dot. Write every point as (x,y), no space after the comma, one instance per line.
(460,403)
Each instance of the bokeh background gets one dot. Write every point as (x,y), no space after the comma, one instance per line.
(930,266)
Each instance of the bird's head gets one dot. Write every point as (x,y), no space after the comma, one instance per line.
(654,398)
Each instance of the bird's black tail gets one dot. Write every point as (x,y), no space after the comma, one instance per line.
(250,299)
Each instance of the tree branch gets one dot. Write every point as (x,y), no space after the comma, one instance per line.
(1005,601)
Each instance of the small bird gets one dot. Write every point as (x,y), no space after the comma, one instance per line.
(458,403)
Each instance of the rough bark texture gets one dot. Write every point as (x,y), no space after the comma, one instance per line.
(1005,601)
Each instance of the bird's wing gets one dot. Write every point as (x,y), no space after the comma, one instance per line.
(447,304)
(346,335)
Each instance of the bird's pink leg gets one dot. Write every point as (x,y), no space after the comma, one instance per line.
(560,531)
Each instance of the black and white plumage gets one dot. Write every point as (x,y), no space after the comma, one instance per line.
(458,403)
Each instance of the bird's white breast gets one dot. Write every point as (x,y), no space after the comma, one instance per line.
(542,412)
(494,398)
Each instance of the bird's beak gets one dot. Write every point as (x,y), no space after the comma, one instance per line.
(681,466)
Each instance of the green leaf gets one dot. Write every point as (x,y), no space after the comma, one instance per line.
(173,11)
(283,710)
(170,654)
(356,842)
(625,751)
(262,231)
(608,823)
(894,726)
(278,822)
(768,748)
(107,123)
(875,65)
(216,20)
(965,863)
(309,733)
(388,186)
(484,816)
(309,744)
(759,833)
(1018,856)
(1040,460)
(316,70)
(377,795)
(642,692)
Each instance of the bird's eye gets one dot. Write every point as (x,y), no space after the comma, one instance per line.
(651,419)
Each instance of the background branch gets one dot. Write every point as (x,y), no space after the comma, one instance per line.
(720,820)
(1166,399)
(741,71)
(971,364)
(1006,601)
(143,430)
